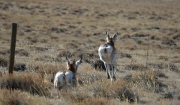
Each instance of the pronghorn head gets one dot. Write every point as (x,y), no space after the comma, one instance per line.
(111,39)
(72,65)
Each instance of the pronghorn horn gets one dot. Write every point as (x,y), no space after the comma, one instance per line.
(80,56)
(107,33)
(107,37)
(67,59)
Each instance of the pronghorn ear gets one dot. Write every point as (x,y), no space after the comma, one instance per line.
(115,37)
(107,36)
(79,61)
(67,59)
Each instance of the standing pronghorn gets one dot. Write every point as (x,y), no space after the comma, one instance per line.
(107,53)
(69,76)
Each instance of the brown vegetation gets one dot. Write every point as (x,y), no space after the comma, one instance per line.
(148,51)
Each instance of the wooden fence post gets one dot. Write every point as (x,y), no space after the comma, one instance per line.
(12,48)
(147,54)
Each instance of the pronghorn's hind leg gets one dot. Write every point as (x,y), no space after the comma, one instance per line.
(74,81)
(58,92)
(107,71)
(114,68)
(108,75)
(112,72)
(114,77)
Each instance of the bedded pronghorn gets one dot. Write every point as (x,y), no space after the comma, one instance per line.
(107,53)
(69,76)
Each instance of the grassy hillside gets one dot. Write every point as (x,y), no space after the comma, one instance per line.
(148,48)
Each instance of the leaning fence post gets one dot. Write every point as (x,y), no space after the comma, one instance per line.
(12,48)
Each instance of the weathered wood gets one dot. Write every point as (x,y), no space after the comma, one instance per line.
(12,48)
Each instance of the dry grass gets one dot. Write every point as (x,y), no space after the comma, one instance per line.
(28,82)
(17,97)
(48,30)
(3,61)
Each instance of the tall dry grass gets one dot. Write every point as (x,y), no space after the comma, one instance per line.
(28,82)
(17,97)
(45,28)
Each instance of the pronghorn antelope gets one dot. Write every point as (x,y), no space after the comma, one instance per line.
(69,76)
(107,53)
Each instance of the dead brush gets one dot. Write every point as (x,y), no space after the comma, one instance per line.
(20,98)
(96,101)
(76,95)
(122,91)
(3,61)
(46,71)
(89,78)
(83,96)
(135,67)
(100,92)
(118,90)
(28,82)
(143,80)
(13,99)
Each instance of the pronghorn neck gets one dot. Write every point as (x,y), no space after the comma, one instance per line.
(71,68)
(111,43)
